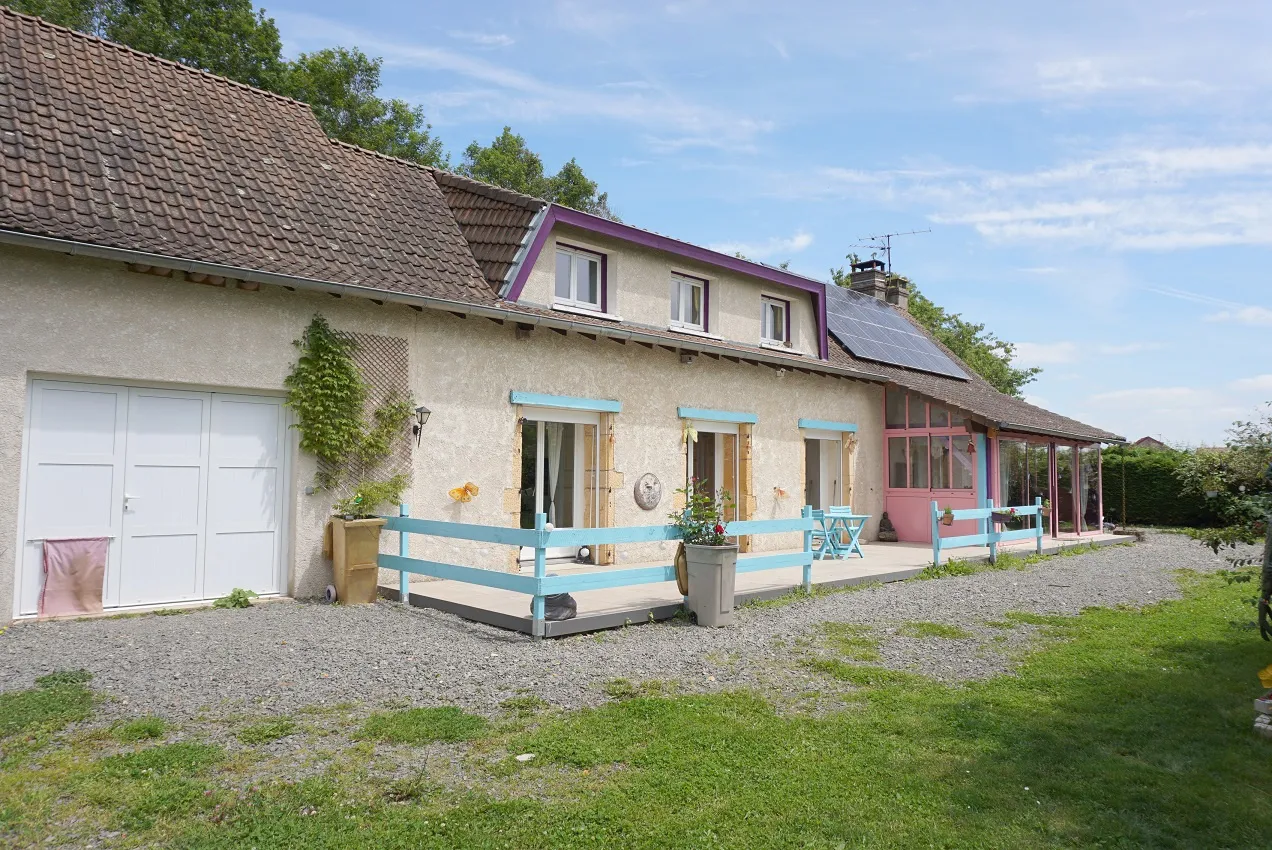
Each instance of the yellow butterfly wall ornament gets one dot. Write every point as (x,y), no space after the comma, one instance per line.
(689,434)
(465,493)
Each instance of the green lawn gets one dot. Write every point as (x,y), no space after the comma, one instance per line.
(1125,729)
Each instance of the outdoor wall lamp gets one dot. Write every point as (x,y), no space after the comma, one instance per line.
(421,418)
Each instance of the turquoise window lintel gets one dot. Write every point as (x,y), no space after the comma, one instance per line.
(826,425)
(565,402)
(716,415)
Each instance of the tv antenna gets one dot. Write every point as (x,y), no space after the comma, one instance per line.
(883,242)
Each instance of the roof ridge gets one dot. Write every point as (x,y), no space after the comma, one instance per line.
(489,190)
(35,19)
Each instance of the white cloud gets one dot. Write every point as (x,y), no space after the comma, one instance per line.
(774,246)
(504,94)
(1184,414)
(1133,197)
(1258,316)
(483,39)
(1259,383)
(1129,348)
(1045,353)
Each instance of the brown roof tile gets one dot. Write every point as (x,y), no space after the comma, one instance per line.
(495,221)
(106,145)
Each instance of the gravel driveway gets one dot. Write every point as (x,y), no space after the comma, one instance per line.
(282,656)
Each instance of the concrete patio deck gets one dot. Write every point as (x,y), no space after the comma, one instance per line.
(615,607)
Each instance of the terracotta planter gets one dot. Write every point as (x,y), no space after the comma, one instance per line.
(947,519)
(712,577)
(354,545)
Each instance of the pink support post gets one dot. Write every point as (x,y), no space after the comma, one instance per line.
(1099,456)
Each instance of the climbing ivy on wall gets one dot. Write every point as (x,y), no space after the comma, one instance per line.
(327,392)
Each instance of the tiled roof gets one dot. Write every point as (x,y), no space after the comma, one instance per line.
(495,221)
(974,395)
(105,145)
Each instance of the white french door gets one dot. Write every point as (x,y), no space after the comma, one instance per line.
(558,471)
(712,460)
(823,469)
(187,486)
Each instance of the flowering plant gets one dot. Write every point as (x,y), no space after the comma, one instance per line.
(701,522)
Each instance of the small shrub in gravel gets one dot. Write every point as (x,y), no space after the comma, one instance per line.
(141,729)
(1030,619)
(862,675)
(852,641)
(236,598)
(523,705)
(56,700)
(164,759)
(921,629)
(64,677)
(266,731)
(422,726)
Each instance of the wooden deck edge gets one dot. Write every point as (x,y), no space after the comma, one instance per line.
(645,614)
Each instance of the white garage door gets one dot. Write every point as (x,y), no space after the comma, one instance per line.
(188,486)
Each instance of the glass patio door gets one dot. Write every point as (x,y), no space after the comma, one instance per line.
(823,468)
(713,461)
(558,473)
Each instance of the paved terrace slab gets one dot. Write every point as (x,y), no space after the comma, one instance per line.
(615,607)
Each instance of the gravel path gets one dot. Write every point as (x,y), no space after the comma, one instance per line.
(283,656)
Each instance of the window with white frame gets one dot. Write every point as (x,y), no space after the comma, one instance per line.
(688,303)
(774,324)
(579,282)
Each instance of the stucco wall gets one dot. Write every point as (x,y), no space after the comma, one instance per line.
(72,317)
(639,281)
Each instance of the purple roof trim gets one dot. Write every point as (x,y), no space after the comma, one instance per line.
(618,230)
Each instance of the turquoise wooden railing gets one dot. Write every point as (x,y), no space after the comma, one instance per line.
(989,537)
(541,538)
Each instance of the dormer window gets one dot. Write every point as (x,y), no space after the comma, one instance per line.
(775,321)
(688,303)
(580,279)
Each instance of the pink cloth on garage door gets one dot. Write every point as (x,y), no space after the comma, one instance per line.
(73,574)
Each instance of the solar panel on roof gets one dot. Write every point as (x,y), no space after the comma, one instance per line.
(873,330)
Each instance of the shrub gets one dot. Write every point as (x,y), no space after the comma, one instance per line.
(423,726)
(1155,495)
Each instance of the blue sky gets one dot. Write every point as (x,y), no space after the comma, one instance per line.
(1097,176)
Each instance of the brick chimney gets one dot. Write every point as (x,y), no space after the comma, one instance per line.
(898,293)
(869,278)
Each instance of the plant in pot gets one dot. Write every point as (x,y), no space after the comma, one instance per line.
(353,539)
(1046,508)
(351,432)
(1004,515)
(711,558)
(947,518)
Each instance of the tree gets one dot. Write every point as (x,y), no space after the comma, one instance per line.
(226,37)
(987,355)
(508,162)
(235,40)
(1239,479)
(340,85)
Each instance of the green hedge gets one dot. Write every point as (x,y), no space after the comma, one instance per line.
(1154,495)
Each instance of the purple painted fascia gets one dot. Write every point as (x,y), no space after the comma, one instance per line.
(627,233)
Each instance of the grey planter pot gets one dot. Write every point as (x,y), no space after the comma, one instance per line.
(712,576)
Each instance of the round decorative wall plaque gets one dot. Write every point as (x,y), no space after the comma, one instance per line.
(648,491)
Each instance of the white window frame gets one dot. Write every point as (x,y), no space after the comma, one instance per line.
(767,304)
(681,287)
(573,300)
